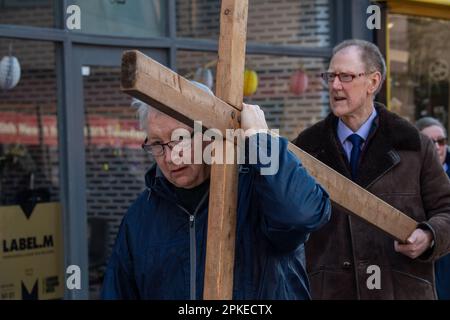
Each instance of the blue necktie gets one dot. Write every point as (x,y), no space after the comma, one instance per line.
(356,141)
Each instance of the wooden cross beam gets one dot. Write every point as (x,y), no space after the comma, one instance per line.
(151,82)
(223,190)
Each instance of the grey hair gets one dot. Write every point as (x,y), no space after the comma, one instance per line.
(370,55)
(426,122)
(143,110)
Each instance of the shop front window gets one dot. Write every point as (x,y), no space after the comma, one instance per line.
(288,89)
(125,18)
(115,163)
(34,13)
(31,255)
(419,67)
(284,22)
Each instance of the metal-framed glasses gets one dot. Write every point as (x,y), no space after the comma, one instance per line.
(158,149)
(329,77)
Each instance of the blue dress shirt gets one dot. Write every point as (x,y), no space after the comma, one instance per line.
(344,132)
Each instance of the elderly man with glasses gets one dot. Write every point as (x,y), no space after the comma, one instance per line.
(434,130)
(161,245)
(383,153)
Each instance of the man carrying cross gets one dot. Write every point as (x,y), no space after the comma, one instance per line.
(383,153)
(160,250)
(170,93)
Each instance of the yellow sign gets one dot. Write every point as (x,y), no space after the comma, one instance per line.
(31,259)
(439,9)
(443,2)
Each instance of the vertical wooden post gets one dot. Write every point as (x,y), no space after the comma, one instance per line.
(220,248)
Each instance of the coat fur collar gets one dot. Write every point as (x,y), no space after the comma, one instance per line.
(380,154)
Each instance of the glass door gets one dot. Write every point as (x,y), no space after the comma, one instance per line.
(114,162)
(418,59)
(31,211)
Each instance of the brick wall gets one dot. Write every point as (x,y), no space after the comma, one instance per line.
(284,111)
(114,174)
(42,55)
(35,95)
(39,13)
(287,22)
(304,23)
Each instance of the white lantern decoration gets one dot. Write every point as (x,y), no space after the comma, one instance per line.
(204,75)
(9,72)
(203,87)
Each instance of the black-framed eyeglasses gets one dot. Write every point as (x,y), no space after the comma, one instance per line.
(157,149)
(440,141)
(329,77)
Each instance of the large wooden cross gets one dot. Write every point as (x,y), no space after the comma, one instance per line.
(174,95)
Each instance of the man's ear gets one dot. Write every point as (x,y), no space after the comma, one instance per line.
(374,82)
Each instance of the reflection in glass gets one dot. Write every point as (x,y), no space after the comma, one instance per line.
(35,13)
(115,164)
(419,67)
(289,89)
(31,259)
(126,18)
(28,135)
(302,23)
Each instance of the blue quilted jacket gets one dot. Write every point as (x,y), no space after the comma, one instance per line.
(160,248)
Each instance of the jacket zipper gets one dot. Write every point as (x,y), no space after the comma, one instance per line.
(193,248)
(192,244)
(193,256)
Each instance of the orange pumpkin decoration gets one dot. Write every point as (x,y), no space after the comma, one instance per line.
(298,82)
(250,82)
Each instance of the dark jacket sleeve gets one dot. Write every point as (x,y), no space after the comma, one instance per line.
(435,190)
(119,281)
(292,204)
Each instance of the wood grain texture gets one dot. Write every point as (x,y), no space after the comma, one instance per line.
(165,90)
(343,191)
(356,199)
(220,247)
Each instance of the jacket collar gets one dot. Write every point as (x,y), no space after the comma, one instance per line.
(390,133)
(156,182)
(447,161)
